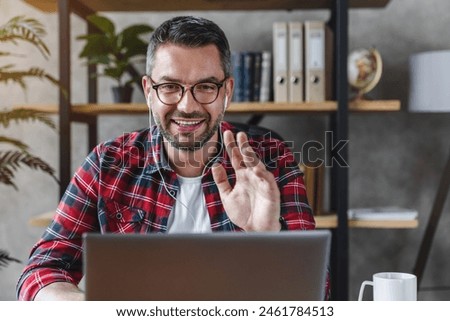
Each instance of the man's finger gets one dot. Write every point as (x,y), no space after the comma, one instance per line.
(233,150)
(249,156)
(220,178)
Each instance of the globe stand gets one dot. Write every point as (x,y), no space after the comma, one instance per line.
(360,96)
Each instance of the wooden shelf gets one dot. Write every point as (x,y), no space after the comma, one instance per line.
(374,105)
(42,220)
(322,222)
(235,108)
(330,221)
(183,5)
(110,109)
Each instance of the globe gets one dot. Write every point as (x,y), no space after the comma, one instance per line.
(364,70)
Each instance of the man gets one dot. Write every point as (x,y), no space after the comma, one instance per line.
(191,172)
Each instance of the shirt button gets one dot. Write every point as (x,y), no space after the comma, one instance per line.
(119,216)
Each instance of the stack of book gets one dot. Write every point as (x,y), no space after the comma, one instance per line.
(298,69)
(302,55)
(252,72)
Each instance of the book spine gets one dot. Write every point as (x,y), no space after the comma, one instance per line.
(248,69)
(238,74)
(266,92)
(257,75)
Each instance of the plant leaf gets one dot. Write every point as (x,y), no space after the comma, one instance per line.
(18,76)
(7,176)
(132,33)
(96,44)
(25,29)
(11,161)
(23,114)
(101,22)
(14,142)
(132,44)
(5,259)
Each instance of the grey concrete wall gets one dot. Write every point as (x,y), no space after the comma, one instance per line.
(395,158)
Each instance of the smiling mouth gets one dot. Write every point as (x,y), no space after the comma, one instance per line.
(188,127)
(187,123)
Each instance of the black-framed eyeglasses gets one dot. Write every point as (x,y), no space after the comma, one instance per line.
(171,93)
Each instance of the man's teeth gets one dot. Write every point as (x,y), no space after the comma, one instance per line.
(187,123)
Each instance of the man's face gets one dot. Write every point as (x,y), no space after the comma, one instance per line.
(187,125)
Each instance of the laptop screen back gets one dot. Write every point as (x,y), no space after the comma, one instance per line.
(215,266)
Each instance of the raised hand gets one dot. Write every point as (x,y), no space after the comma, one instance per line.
(253,203)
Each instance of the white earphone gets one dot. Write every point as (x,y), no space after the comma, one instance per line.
(149,112)
(225,102)
(148,100)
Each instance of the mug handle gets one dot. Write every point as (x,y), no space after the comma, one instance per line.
(361,290)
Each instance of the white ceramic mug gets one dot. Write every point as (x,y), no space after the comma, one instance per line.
(392,286)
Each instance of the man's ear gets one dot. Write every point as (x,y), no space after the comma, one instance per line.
(229,88)
(146,86)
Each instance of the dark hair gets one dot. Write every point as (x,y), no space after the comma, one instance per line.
(192,32)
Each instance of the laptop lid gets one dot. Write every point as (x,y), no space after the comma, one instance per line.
(215,266)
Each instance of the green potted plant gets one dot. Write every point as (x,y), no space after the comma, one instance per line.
(21,29)
(115,51)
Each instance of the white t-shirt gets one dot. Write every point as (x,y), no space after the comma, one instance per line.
(189,214)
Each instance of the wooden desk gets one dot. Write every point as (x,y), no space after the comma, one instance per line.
(322,222)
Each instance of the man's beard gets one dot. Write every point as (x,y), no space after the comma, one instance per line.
(198,142)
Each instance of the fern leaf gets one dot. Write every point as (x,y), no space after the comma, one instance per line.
(19,76)
(5,259)
(14,142)
(37,163)
(7,176)
(25,29)
(5,68)
(11,161)
(23,114)
(5,54)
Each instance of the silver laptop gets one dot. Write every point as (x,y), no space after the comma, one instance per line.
(286,266)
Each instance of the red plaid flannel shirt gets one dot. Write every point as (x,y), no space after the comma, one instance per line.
(118,189)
